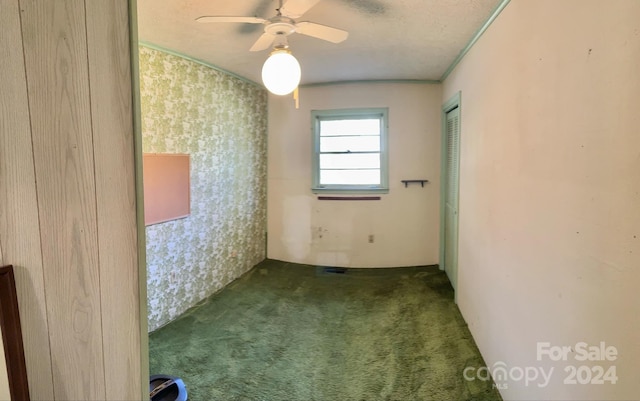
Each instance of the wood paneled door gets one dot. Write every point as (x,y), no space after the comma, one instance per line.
(68,219)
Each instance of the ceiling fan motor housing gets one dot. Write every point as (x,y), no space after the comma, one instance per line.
(280,26)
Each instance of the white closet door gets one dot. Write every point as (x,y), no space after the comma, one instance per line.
(451,196)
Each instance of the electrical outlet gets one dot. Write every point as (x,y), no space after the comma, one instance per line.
(371,238)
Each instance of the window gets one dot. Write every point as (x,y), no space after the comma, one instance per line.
(350,150)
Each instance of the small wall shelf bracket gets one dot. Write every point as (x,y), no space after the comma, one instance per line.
(407,182)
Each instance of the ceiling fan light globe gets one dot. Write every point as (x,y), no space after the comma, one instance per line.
(281,73)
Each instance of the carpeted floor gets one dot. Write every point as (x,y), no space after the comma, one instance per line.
(295,332)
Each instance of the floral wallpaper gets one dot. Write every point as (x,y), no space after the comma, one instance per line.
(221,121)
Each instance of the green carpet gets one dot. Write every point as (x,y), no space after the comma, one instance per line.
(296,332)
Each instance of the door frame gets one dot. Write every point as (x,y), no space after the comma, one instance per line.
(141,227)
(451,104)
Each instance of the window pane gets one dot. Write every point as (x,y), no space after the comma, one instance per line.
(350,161)
(350,127)
(350,143)
(350,150)
(349,177)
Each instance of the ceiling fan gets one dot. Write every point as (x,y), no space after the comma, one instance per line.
(277,28)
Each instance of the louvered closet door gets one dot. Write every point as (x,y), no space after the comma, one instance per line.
(451,194)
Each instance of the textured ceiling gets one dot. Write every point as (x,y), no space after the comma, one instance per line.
(388,39)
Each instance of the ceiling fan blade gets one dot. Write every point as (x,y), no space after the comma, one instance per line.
(295,8)
(323,32)
(222,18)
(263,42)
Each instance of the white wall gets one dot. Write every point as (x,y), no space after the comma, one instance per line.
(404,222)
(550,189)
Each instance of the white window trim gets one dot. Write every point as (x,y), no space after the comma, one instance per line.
(317,116)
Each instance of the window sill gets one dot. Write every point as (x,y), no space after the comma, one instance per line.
(350,191)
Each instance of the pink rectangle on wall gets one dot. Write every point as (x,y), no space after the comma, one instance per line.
(167,187)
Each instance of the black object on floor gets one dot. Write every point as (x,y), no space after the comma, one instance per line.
(167,388)
(330,270)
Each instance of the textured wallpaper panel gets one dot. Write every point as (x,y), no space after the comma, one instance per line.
(221,122)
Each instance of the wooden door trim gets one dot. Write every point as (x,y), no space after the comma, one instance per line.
(12,336)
